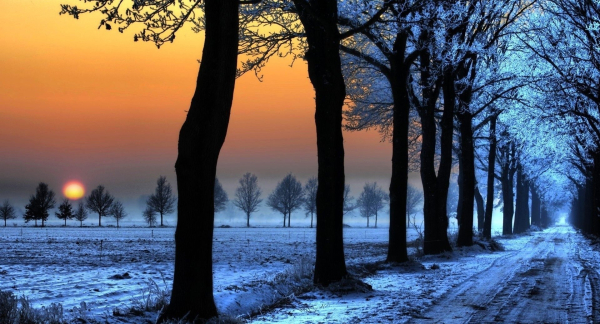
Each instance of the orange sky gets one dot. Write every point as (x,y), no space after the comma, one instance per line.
(91,105)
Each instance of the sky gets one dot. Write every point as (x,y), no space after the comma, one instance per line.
(87,104)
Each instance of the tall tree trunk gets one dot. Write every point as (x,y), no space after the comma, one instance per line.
(319,19)
(311,220)
(161,219)
(200,141)
(247,219)
(289,218)
(489,203)
(368,221)
(480,209)
(284,217)
(467,171)
(536,218)
(522,204)
(397,249)
(435,188)
(375,219)
(507,180)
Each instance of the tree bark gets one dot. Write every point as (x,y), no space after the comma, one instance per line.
(399,70)
(489,203)
(536,218)
(467,171)
(522,204)
(247,219)
(289,218)
(480,209)
(200,141)
(435,188)
(319,19)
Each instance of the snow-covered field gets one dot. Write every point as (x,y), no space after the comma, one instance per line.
(109,268)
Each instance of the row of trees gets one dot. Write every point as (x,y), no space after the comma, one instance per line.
(505,89)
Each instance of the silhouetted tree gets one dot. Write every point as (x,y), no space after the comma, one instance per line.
(80,214)
(149,216)
(201,136)
(414,198)
(99,201)
(348,205)
(117,211)
(286,197)
(221,198)
(162,201)
(371,201)
(7,211)
(39,204)
(247,195)
(65,211)
(310,198)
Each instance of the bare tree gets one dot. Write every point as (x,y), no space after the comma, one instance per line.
(117,211)
(414,198)
(99,201)
(371,201)
(39,204)
(221,198)
(149,216)
(348,205)
(286,197)
(310,198)
(162,201)
(65,211)
(247,195)
(81,213)
(7,211)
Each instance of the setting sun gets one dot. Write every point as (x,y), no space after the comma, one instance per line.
(73,190)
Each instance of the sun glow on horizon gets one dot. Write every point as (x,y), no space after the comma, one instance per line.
(73,190)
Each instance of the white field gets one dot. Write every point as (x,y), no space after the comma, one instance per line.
(68,266)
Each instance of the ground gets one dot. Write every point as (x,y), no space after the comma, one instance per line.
(108,269)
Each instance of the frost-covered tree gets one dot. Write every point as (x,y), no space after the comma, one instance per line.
(100,201)
(117,211)
(81,213)
(7,211)
(162,201)
(221,198)
(65,211)
(247,195)
(39,204)
(310,198)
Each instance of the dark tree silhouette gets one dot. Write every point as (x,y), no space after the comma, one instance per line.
(117,211)
(81,213)
(319,19)
(221,198)
(99,201)
(162,201)
(286,197)
(149,216)
(65,211)
(310,198)
(39,204)
(201,136)
(371,201)
(247,195)
(7,211)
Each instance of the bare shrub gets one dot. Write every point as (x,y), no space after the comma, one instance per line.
(11,313)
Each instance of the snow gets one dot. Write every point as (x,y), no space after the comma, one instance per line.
(68,266)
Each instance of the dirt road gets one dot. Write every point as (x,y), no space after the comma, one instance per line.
(548,281)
